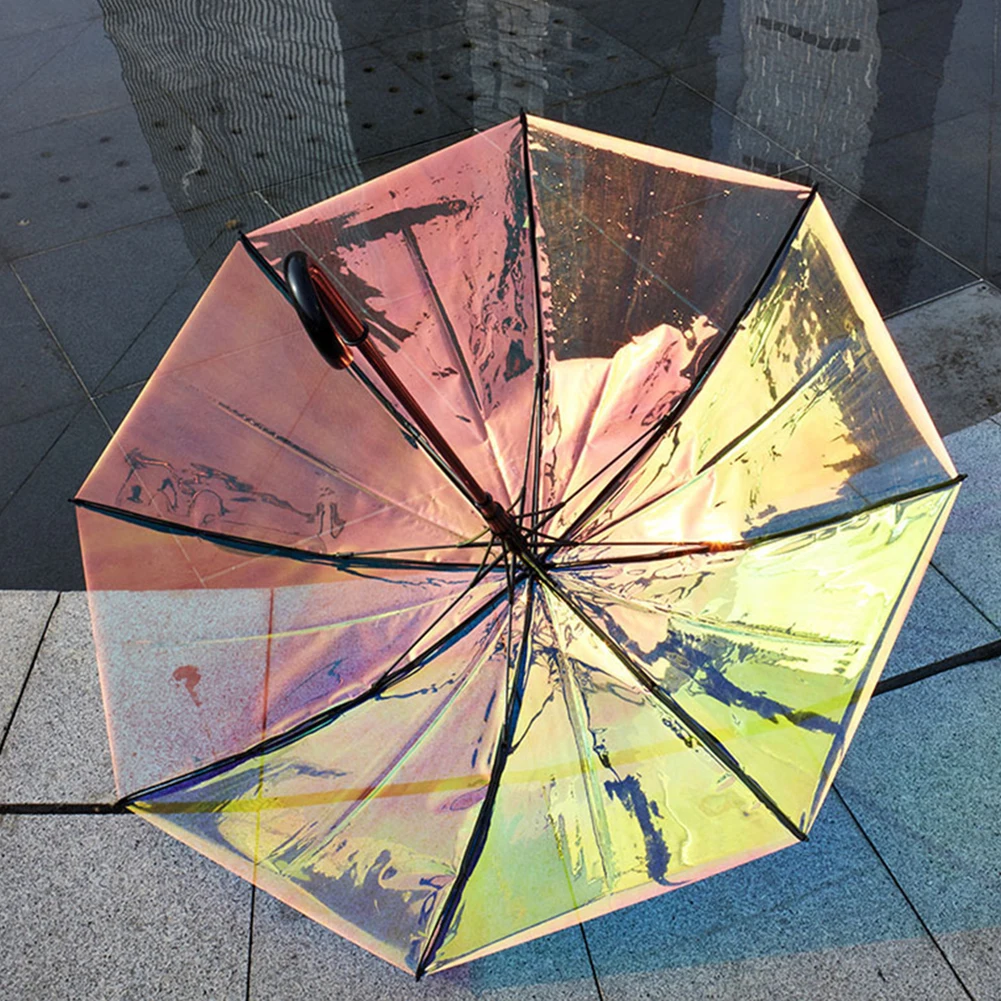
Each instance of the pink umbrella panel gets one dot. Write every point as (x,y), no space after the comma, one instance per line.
(560,579)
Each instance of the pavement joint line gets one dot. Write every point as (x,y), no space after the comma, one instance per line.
(31,472)
(975,655)
(45,62)
(55,340)
(973,283)
(903,893)
(250,938)
(590,962)
(27,674)
(875,208)
(963,594)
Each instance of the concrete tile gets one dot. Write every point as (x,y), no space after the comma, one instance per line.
(108,907)
(627,111)
(932,180)
(83,75)
(975,955)
(24,445)
(554,967)
(23,615)
(516,57)
(121,281)
(57,747)
(116,404)
(24,55)
(23,16)
(285,199)
(277,122)
(65,182)
(38,541)
(899,269)
(969,553)
(673,35)
(922,779)
(941,622)
(909,970)
(34,378)
(952,347)
(830,893)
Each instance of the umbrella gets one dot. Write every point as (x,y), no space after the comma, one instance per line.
(557,578)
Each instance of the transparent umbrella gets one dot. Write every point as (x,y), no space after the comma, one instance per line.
(560,575)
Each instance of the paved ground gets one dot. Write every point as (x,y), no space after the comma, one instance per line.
(896,896)
(136,135)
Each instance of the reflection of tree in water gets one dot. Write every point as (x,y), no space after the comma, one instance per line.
(255,87)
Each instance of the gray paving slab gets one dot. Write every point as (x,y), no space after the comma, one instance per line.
(79,76)
(922,779)
(101,322)
(952,347)
(24,444)
(37,522)
(908,970)
(969,553)
(486,69)
(941,622)
(325,965)
(23,616)
(22,17)
(35,377)
(806,922)
(110,908)
(899,269)
(57,747)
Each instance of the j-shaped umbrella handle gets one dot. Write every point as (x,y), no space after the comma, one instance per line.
(302,279)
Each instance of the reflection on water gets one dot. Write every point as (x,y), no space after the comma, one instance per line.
(809,78)
(259,86)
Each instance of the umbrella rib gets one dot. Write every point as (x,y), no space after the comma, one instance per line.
(317,722)
(478,838)
(698,548)
(345,561)
(684,400)
(535,435)
(708,740)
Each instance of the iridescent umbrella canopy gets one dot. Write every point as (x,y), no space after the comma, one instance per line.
(567,588)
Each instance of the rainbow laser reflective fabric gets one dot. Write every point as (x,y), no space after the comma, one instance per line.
(324,670)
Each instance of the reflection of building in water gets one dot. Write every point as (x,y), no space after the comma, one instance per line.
(257,86)
(508,61)
(809,80)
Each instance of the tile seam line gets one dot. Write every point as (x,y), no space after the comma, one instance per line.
(28,673)
(50,27)
(917,914)
(63,352)
(250,939)
(55,441)
(994,625)
(45,62)
(828,177)
(875,208)
(972,283)
(590,962)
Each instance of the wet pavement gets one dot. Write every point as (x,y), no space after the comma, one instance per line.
(137,137)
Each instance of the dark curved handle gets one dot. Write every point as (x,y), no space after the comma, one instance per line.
(311,313)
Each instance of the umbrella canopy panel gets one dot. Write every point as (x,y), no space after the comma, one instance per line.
(326,669)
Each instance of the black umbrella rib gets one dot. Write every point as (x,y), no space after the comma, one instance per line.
(389,679)
(684,401)
(478,838)
(537,418)
(345,561)
(708,740)
(699,548)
